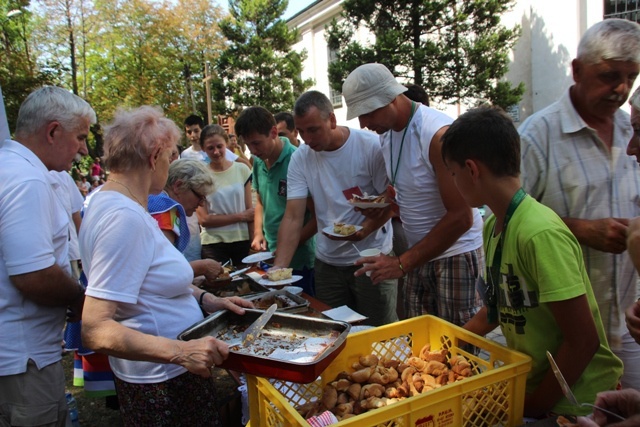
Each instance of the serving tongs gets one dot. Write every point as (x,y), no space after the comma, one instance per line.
(566,390)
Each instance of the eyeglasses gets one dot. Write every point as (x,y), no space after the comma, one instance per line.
(200,197)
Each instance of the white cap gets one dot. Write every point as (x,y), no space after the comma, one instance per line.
(369,87)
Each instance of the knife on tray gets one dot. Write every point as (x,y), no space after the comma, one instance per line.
(254,330)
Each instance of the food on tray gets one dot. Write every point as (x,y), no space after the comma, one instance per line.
(233,288)
(343,229)
(367,199)
(277,343)
(279,274)
(376,382)
(225,274)
(244,289)
(282,301)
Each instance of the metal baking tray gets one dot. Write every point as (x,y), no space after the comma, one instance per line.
(287,302)
(303,346)
(236,288)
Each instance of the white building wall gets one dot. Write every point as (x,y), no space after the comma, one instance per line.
(550,32)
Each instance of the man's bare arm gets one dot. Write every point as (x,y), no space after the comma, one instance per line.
(289,231)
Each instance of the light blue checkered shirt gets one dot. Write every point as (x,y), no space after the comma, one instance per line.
(566,166)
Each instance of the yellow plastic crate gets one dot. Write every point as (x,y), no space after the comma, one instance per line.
(493,396)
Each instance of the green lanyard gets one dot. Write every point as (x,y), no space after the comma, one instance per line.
(393,174)
(494,270)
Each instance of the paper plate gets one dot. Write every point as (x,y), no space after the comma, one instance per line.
(329,230)
(369,205)
(267,282)
(257,257)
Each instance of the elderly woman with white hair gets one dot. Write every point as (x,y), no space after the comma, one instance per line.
(139,295)
(190,182)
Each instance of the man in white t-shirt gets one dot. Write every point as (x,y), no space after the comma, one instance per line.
(334,162)
(35,275)
(70,197)
(443,233)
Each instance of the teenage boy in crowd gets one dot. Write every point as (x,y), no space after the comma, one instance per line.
(536,286)
(286,127)
(272,154)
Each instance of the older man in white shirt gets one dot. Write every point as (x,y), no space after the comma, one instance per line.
(574,161)
(35,275)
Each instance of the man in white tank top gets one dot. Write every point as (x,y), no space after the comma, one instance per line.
(444,234)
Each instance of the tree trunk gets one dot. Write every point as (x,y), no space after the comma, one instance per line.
(72,48)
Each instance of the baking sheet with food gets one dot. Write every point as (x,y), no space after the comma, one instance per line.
(239,288)
(286,301)
(291,347)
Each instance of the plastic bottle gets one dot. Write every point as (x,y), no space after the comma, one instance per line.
(73,410)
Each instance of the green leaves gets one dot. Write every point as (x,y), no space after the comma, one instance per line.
(456,49)
(259,66)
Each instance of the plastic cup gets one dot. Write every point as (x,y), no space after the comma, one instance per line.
(370,252)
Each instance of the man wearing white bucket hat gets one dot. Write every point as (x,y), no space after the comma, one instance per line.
(444,234)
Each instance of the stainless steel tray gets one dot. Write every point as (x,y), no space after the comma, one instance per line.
(302,347)
(237,288)
(287,302)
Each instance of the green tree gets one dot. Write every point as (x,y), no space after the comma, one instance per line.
(18,74)
(259,66)
(456,49)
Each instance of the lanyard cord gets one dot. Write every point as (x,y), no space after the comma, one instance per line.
(494,270)
(393,174)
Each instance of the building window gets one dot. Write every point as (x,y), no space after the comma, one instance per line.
(334,95)
(623,9)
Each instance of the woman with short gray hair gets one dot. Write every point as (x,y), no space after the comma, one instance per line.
(190,182)
(139,295)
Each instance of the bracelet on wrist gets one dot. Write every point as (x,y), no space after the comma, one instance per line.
(400,265)
(202,297)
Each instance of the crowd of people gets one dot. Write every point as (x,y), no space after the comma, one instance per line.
(555,266)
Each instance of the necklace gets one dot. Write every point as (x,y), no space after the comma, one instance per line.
(129,190)
(394,173)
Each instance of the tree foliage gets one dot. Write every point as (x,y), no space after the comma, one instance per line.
(258,67)
(113,53)
(456,49)
(18,72)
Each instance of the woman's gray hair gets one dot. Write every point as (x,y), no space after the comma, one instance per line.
(192,175)
(634,100)
(52,104)
(136,134)
(616,39)
(313,98)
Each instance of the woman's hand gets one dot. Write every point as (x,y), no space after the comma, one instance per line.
(201,356)
(247,215)
(259,243)
(212,303)
(208,268)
